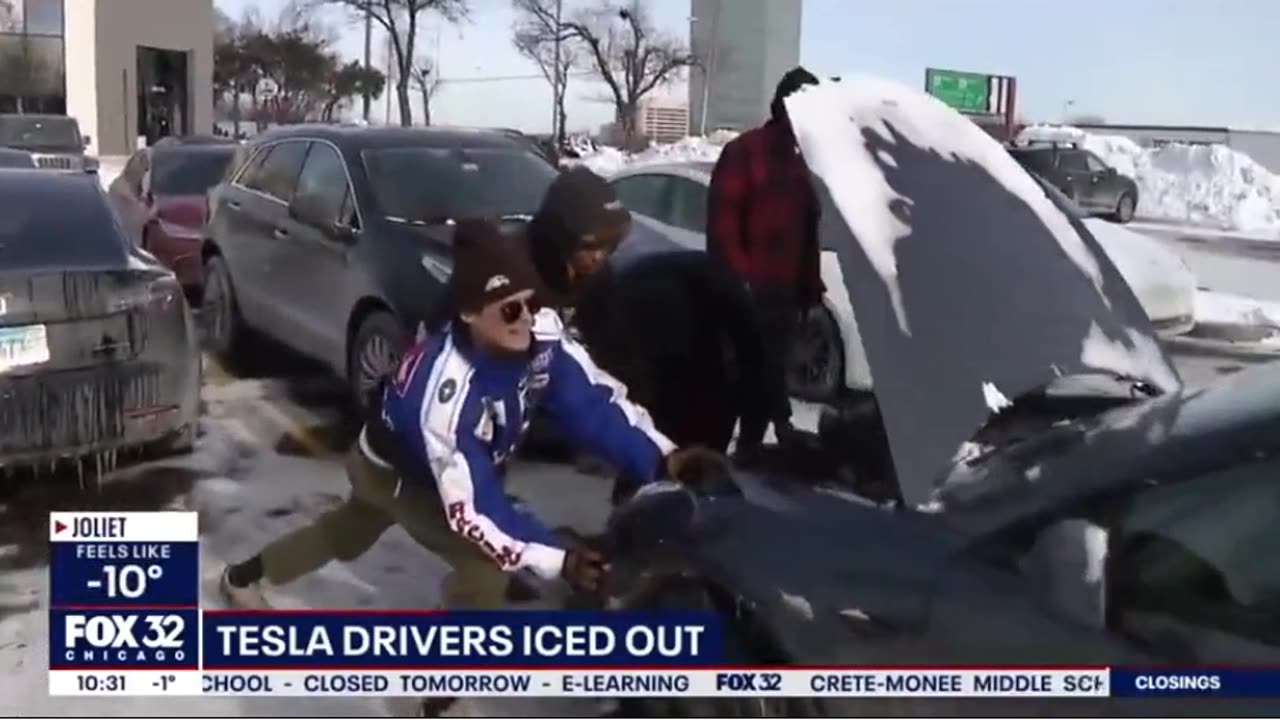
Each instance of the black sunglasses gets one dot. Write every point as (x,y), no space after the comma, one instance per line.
(512,310)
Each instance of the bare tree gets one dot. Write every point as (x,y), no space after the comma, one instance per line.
(540,35)
(401,20)
(627,53)
(428,82)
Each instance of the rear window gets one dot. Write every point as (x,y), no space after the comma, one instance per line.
(1038,161)
(188,173)
(47,225)
(40,133)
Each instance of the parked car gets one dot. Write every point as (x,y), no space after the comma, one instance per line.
(160,198)
(335,240)
(98,348)
(54,141)
(12,158)
(1060,498)
(1082,176)
(672,198)
(829,359)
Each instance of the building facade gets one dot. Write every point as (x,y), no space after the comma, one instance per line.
(663,120)
(745,47)
(125,69)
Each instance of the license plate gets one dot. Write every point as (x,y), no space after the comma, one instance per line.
(26,345)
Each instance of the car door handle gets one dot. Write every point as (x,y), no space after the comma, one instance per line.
(233,204)
(280,233)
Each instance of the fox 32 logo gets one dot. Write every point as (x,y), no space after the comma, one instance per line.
(123,638)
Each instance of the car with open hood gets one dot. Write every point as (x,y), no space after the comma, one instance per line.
(1058,496)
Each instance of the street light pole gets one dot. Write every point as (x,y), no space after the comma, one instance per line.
(368,59)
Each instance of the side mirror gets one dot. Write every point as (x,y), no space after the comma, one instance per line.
(87,140)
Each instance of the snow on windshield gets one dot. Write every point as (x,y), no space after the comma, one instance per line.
(829,120)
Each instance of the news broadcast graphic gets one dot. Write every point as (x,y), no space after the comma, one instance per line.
(667,683)
(124,614)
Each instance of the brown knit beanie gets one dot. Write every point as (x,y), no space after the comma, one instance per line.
(489,266)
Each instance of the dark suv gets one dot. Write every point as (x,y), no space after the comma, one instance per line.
(336,241)
(54,141)
(1082,176)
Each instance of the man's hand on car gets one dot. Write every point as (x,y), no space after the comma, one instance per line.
(702,470)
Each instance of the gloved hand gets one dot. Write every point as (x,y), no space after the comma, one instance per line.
(702,470)
(584,568)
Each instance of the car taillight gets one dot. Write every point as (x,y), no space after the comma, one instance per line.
(160,292)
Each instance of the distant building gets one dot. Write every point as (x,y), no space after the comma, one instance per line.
(663,120)
(125,69)
(745,46)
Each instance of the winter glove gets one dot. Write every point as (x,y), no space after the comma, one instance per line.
(584,568)
(702,470)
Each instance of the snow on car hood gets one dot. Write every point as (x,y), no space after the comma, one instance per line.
(968,283)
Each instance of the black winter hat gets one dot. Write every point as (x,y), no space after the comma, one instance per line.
(796,78)
(489,266)
(579,210)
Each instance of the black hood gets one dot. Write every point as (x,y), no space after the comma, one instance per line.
(970,287)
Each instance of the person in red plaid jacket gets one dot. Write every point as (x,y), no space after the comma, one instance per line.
(762,220)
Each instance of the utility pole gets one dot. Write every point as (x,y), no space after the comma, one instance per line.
(557,85)
(368,59)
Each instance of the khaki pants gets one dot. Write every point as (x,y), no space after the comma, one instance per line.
(349,530)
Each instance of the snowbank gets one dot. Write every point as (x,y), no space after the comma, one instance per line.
(607,160)
(1227,309)
(1206,185)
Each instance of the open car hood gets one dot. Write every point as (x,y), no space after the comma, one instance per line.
(969,285)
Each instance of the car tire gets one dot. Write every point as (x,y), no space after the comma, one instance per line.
(374,349)
(1125,208)
(815,370)
(223,327)
(687,594)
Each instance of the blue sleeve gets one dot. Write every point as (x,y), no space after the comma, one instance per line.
(470,486)
(592,408)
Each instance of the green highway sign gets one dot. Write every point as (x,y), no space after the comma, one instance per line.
(964,91)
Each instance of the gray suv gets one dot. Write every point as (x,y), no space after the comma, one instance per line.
(54,141)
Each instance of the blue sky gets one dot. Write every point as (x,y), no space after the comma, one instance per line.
(1209,62)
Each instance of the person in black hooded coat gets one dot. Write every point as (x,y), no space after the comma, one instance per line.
(677,328)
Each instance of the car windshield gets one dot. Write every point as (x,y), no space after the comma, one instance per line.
(433,185)
(40,133)
(189,172)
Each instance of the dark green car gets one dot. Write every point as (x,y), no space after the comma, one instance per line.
(1082,176)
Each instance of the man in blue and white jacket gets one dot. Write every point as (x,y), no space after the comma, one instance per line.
(433,454)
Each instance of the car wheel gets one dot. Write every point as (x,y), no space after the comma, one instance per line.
(685,594)
(224,329)
(1125,207)
(373,352)
(816,367)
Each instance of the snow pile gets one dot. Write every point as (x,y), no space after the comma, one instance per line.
(1207,185)
(1227,309)
(608,160)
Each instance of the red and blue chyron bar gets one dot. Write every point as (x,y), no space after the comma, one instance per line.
(124,619)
